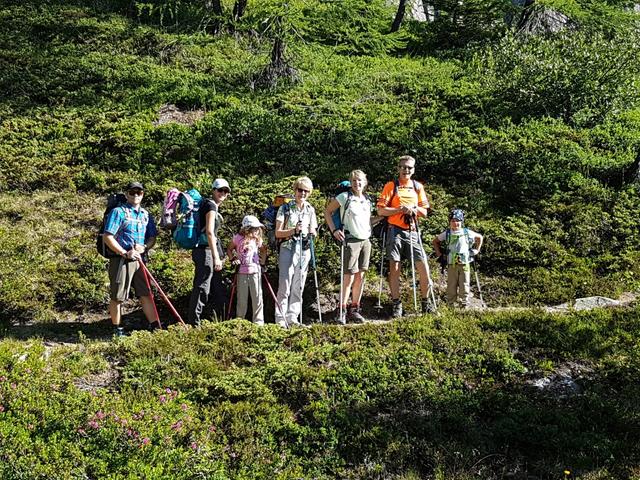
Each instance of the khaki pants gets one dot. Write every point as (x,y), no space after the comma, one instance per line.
(249,283)
(122,275)
(458,284)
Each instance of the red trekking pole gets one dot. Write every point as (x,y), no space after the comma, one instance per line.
(273,295)
(153,301)
(162,294)
(233,291)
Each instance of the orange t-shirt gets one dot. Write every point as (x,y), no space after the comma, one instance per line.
(405,196)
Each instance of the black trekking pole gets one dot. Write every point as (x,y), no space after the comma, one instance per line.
(432,295)
(475,271)
(383,247)
(413,269)
(315,278)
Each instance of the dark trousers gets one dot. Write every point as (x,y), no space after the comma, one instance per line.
(207,285)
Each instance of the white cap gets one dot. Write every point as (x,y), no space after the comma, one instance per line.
(249,221)
(221,183)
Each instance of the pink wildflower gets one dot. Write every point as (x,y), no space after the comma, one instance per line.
(100,415)
(177,426)
(163,399)
(145,441)
(1,408)
(82,432)
(184,407)
(93,424)
(194,446)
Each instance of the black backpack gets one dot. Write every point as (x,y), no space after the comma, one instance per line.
(113,200)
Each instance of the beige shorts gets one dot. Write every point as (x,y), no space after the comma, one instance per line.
(124,274)
(356,256)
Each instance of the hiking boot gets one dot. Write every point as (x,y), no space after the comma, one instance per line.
(427,306)
(353,314)
(118,332)
(396,311)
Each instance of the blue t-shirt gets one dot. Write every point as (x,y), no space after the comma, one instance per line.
(130,227)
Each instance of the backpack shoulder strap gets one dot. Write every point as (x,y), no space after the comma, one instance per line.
(346,206)
(468,237)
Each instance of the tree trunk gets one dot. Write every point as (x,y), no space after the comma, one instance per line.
(238,9)
(216,7)
(402,6)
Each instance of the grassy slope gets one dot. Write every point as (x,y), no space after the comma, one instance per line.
(400,400)
(83,89)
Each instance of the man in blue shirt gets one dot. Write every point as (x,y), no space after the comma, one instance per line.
(129,231)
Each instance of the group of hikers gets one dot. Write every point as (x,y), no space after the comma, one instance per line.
(129,232)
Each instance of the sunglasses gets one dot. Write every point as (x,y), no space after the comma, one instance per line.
(406,167)
(302,190)
(135,192)
(224,190)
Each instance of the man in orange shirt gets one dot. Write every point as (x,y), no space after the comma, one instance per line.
(403,201)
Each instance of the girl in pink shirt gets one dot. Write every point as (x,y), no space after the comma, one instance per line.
(248,252)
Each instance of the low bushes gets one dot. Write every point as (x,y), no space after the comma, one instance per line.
(401,400)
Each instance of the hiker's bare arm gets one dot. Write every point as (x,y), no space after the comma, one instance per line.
(115,247)
(285,232)
(477,243)
(150,243)
(436,246)
(210,223)
(328,212)
(422,211)
(331,207)
(231,250)
(111,242)
(388,211)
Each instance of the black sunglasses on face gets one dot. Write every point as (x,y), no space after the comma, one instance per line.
(135,192)
(302,190)
(223,190)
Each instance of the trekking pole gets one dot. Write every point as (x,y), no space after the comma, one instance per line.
(146,275)
(315,278)
(300,273)
(413,272)
(341,300)
(300,264)
(432,295)
(383,247)
(162,294)
(273,295)
(475,270)
(233,291)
